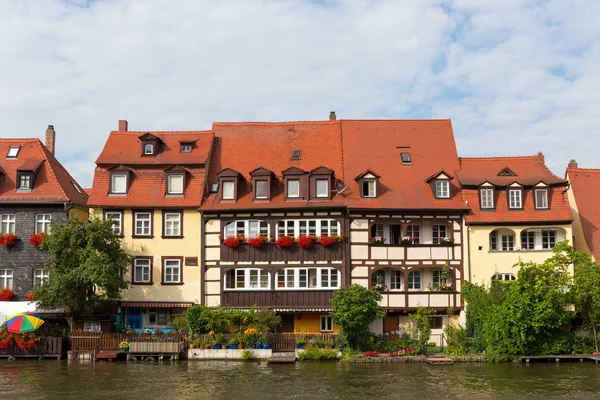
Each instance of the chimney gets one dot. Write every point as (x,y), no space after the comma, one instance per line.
(572,164)
(541,157)
(50,138)
(332,116)
(122,125)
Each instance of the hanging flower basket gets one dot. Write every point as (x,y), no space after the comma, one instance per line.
(37,239)
(304,241)
(6,294)
(257,242)
(7,239)
(231,241)
(284,241)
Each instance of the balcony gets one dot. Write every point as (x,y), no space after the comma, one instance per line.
(412,251)
(272,252)
(415,299)
(278,298)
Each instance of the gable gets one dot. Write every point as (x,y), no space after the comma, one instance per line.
(506,172)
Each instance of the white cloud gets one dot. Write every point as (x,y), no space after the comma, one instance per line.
(515,77)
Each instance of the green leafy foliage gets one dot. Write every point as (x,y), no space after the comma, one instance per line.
(202,320)
(86,266)
(586,291)
(422,324)
(456,340)
(353,308)
(316,354)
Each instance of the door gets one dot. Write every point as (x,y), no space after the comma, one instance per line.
(134,318)
(395,234)
(391,323)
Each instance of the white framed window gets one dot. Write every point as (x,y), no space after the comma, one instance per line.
(6,278)
(143,223)
(172,271)
(438,232)
(141,270)
(322,187)
(25,181)
(247,279)
(174,184)
(159,316)
(228,190)
(414,280)
(173,224)
(13,151)
(541,199)
(442,189)
(92,326)
(42,223)
(293,188)
(116,220)
(308,278)
(508,242)
(504,277)
(392,278)
(118,184)
(326,323)
(548,239)
(487,198)
(514,198)
(317,227)
(261,189)
(437,279)
(527,240)
(7,223)
(413,231)
(248,228)
(368,188)
(148,148)
(40,276)
(185,148)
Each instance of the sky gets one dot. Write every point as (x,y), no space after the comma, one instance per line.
(515,77)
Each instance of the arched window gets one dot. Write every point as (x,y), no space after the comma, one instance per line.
(248,228)
(414,280)
(502,240)
(504,277)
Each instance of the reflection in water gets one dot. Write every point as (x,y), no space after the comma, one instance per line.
(48,379)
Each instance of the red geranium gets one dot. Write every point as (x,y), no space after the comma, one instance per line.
(304,241)
(5,338)
(326,240)
(284,241)
(258,241)
(36,239)
(29,296)
(26,341)
(6,294)
(7,239)
(231,241)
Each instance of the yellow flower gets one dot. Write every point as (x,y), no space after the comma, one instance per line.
(211,333)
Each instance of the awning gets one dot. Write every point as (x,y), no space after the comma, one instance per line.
(156,305)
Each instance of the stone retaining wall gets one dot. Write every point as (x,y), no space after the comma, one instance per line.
(226,354)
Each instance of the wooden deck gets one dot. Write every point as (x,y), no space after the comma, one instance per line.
(566,358)
(439,361)
(282,358)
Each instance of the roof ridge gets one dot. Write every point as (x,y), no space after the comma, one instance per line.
(47,154)
(20,139)
(395,119)
(178,132)
(594,170)
(277,123)
(498,158)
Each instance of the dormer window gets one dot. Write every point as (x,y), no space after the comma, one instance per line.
(185,148)
(322,187)
(293,188)
(13,151)
(486,198)
(541,199)
(261,183)
(515,198)
(175,183)
(213,188)
(228,190)
(260,188)
(148,149)
(118,183)
(296,183)
(442,189)
(368,188)
(24,181)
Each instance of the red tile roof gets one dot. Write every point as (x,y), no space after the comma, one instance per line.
(528,171)
(52,183)
(148,179)
(585,184)
(245,146)
(375,145)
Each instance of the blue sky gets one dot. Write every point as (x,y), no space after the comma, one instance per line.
(515,77)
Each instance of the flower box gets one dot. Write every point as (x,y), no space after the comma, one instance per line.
(284,241)
(304,241)
(36,239)
(6,294)
(8,240)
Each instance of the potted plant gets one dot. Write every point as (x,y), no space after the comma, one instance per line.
(258,241)
(6,294)
(445,241)
(406,240)
(301,341)
(231,241)
(327,240)
(8,240)
(304,241)
(124,345)
(36,239)
(284,241)
(377,240)
(218,340)
(232,343)
(5,338)
(239,339)
(379,286)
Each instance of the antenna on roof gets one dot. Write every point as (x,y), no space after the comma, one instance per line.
(340,187)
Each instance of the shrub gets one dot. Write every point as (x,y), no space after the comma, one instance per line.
(247,355)
(315,354)
(584,341)
(456,338)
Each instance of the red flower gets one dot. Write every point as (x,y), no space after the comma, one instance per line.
(257,242)
(29,296)
(231,241)
(327,240)
(36,239)
(7,239)
(284,241)
(6,294)
(304,241)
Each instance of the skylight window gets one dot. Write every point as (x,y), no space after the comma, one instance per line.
(295,153)
(77,188)
(405,158)
(13,152)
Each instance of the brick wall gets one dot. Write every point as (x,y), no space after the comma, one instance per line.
(23,258)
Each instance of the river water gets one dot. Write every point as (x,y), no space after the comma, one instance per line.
(48,379)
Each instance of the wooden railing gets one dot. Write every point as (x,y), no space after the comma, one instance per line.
(278,298)
(82,341)
(272,252)
(278,341)
(46,347)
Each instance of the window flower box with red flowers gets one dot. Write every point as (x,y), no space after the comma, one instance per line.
(7,239)
(36,239)
(232,241)
(6,294)
(284,241)
(327,240)
(258,241)
(304,241)
(26,341)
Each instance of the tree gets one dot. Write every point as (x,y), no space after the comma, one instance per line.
(86,266)
(586,293)
(422,325)
(353,308)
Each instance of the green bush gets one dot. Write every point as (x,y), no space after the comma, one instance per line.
(583,341)
(315,354)
(247,355)
(456,339)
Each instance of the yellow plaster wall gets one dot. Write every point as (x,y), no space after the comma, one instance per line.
(157,247)
(78,212)
(579,241)
(484,264)
(310,323)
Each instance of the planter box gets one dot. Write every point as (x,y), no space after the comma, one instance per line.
(226,354)
(155,347)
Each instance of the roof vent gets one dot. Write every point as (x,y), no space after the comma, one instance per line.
(332,116)
(295,153)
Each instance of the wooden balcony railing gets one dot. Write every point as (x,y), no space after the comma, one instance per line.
(278,298)
(272,252)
